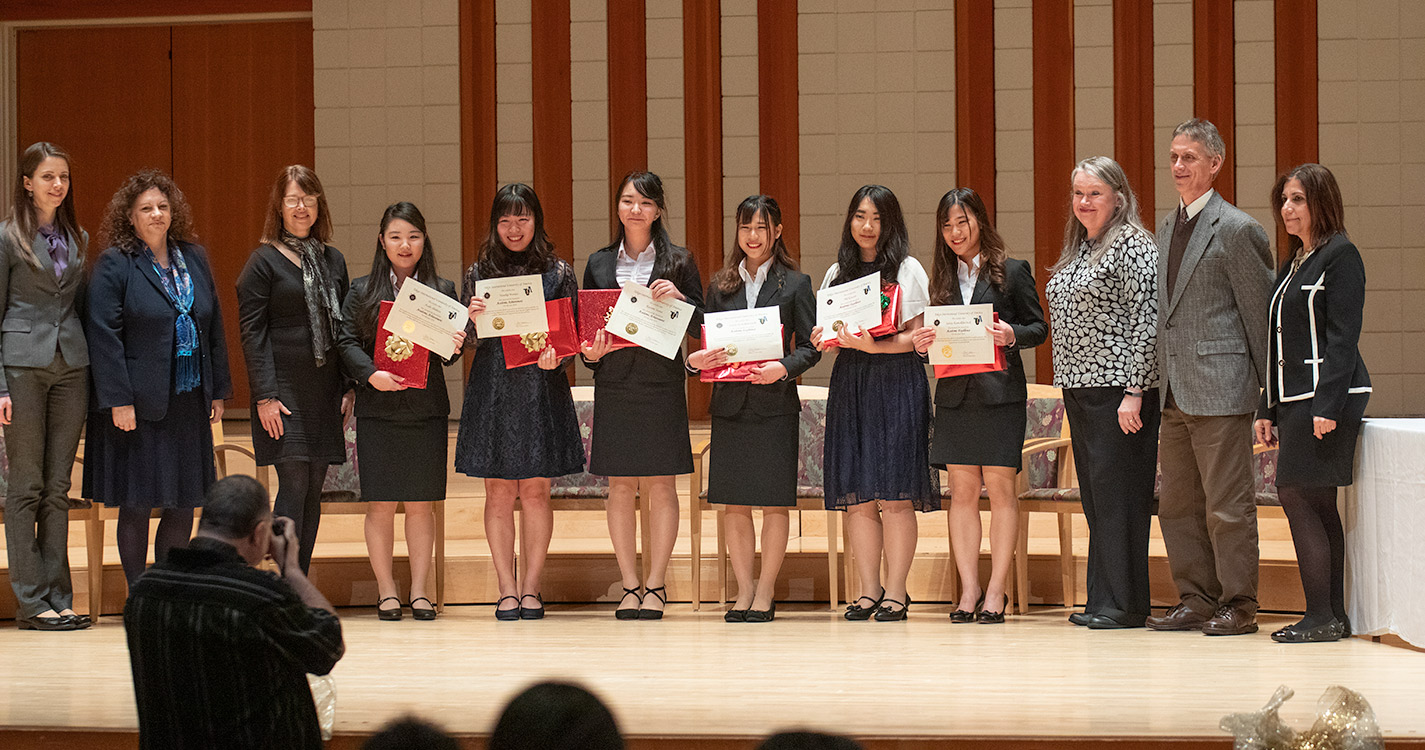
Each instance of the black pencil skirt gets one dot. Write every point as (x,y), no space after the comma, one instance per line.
(754,460)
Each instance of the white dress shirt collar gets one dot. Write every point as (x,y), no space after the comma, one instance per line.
(638,269)
(1194,208)
(969,273)
(752,283)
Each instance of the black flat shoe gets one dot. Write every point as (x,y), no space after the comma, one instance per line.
(1081,618)
(423,613)
(763,615)
(963,616)
(987,617)
(507,615)
(886,614)
(856,612)
(654,614)
(81,622)
(1331,630)
(735,615)
(45,623)
(532,613)
(1104,622)
(629,613)
(389,614)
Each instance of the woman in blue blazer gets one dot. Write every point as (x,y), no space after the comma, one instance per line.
(160,369)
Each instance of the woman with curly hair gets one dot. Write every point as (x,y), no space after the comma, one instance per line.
(160,368)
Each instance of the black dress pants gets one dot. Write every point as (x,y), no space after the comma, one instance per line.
(1116,474)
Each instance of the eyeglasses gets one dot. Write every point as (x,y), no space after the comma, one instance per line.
(310,201)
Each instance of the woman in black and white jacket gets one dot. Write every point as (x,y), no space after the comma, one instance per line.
(1317,388)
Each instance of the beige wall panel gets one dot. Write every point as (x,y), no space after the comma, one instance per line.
(1172,88)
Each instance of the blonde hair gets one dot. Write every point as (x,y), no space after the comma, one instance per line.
(1124,218)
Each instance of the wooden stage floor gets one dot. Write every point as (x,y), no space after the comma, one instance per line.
(692,680)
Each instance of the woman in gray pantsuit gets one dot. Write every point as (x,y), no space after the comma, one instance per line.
(44,383)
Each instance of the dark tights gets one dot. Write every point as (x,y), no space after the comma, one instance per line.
(175,527)
(1320,550)
(299,497)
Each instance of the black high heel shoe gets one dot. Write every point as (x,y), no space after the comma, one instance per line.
(963,616)
(629,613)
(422,613)
(763,615)
(532,613)
(856,612)
(987,617)
(388,614)
(886,614)
(654,614)
(507,615)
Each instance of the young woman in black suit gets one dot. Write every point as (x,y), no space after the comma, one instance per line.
(980,418)
(1317,389)
(402,434)
(754,425)
(640,405)
(160,369)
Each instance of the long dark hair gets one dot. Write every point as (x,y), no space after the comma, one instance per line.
(117,229)
(727,280)
(892,247)
(310,184)
(378,282)
(666,255)
(1323,200)
(23,218)
(517,199)
(944,274)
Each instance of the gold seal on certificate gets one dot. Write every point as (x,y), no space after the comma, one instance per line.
(514,305)
(426,317)
(745,335)
(656,325)
(962,334)
(855,306)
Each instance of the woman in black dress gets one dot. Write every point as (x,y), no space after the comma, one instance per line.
(518,427)
(754,425)
(980,418)
(1316,393)
(402,434)
(160,369)
(876,460)
(289,309)
(640,406)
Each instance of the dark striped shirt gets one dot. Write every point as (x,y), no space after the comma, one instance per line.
(220,651)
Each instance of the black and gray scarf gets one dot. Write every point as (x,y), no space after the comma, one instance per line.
(323,307)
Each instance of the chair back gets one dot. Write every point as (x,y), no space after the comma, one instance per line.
(811,440)
(343,482)
(1045,419)
(583,484)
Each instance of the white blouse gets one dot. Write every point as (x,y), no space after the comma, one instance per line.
(914,284)
(638,270)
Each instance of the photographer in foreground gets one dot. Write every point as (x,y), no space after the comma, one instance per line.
(220,649)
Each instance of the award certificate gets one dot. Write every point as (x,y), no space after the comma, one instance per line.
(855,304)
(513,305)
(962,335)
(747,335)
(658,326)
(426,317)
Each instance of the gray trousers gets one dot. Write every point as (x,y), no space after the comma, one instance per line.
(48,409)
(1208,510)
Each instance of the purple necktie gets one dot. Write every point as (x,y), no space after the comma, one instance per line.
(58,249)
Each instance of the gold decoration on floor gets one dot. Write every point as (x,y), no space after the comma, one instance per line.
(1346,722)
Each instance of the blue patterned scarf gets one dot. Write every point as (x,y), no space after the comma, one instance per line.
(178,287)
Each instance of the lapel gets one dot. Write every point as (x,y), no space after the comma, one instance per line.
(1164,238)
(147,271)
(40,247)
(604,277)
(776,276)
(1201,235)
(982,289)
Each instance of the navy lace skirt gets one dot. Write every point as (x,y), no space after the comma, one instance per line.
(878,431)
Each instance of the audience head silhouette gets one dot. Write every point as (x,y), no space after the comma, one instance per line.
(807,741)
(410,733)
(556,716)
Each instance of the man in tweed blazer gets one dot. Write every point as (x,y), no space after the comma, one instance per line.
(1214,283)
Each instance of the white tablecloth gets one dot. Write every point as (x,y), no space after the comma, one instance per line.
(1385,531)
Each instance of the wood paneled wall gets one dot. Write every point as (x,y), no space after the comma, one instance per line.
(1053,140)
(1214,92)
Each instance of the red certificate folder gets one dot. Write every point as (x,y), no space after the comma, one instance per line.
(595,305)
(890,318)
(735,372)
(950,371)
(524,349)
(400,356)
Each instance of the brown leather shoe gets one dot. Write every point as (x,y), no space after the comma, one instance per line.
(1180,617)
(1230,620)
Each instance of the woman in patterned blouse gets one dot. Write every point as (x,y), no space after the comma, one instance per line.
(1104,312)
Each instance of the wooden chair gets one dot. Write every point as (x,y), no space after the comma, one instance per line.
(809,498)
(341,495)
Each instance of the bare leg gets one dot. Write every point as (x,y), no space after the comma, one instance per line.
(500,533)
(741,549)
(863,520)
(1004,532)
(536,529)
(623,531)
(420,546)
(380,530)
(776,523)
(901,531)
(966,532)
(662,494)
